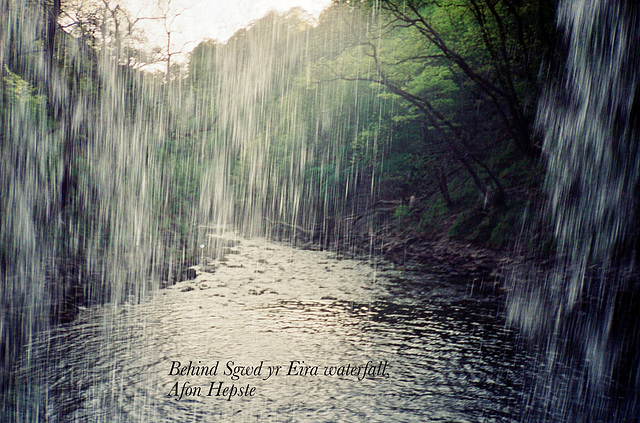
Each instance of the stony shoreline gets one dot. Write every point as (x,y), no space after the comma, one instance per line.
(486,269)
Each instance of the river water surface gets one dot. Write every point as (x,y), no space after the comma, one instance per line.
(446,354)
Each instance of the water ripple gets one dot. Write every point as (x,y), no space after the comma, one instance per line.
(449,356)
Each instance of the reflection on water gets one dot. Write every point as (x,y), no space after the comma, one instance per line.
(449,356)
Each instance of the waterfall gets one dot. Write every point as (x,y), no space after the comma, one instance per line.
(106,171)
(284,153)
(585,311)
(85,194)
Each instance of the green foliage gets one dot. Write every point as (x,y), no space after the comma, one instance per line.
(464,193)
(357,109)
(505,227)
(524,171)
(466,224)
(401,212)
(497,227)
(435,210)
(19,91)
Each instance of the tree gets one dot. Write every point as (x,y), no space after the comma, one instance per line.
(107,26)
(399,59)
(496,44)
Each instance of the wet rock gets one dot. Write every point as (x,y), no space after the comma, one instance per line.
(207,269)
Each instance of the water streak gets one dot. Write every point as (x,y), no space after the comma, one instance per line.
(584,311)
(450,356)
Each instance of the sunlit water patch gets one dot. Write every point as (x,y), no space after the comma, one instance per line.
(447,355)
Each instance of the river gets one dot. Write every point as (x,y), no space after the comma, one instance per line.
(387,344)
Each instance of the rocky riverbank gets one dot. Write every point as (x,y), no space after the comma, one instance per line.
(481,267)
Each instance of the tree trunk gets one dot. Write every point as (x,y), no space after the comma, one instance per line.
(52,15)
(444,187)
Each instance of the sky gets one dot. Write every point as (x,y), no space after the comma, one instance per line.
(211,19)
